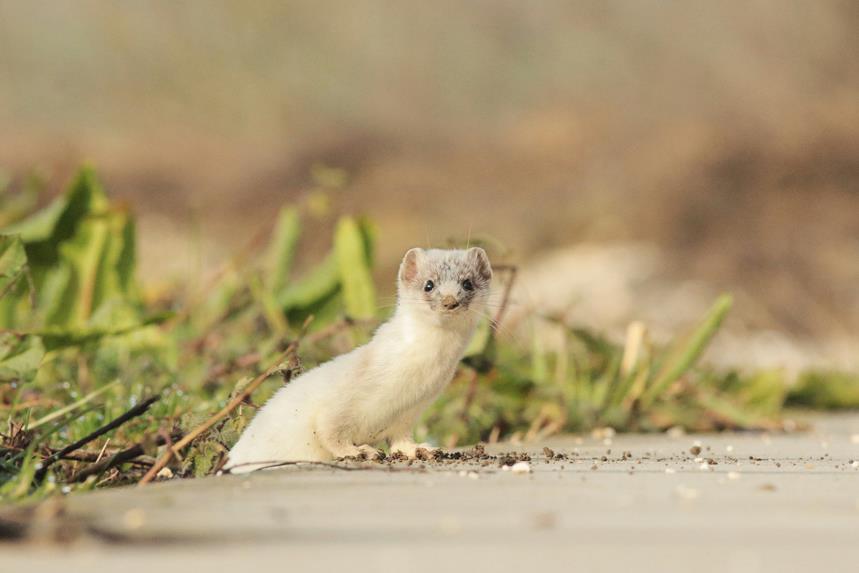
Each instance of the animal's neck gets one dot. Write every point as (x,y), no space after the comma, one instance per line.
(449,336)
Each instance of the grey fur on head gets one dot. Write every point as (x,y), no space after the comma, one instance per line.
(446,279)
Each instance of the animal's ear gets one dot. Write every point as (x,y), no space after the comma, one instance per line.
(410,264)
(480,260)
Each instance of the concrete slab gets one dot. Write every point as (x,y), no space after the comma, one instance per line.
(744,502)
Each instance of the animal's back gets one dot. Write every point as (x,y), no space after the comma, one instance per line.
(283,429)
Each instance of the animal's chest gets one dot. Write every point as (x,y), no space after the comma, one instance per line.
(412,378)
(421,374)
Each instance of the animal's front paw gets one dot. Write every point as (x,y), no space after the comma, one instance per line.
(412,450)
(370,453)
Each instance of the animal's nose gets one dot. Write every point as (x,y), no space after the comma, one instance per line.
(449,302)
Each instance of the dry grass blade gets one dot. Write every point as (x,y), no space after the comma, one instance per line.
(73,406)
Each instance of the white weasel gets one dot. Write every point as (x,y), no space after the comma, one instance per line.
(377,391)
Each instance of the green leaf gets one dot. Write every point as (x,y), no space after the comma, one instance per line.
(270,309)
(826,390)
(686,356)
(281,249)
(56,338)
(40,226)
(478,342)
(351,246)
(319,284)
(44,231)
(96,267)
(13,262)
(20,356)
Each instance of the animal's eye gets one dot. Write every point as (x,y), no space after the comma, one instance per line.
(467,284)
(428,286)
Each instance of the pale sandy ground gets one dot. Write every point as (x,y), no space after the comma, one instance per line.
(796,508)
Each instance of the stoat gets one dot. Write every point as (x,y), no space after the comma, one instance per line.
(377,391)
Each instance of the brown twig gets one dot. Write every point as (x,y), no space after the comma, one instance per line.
(103,449)
(168,441)
(34,403)
(499,314)
(126,455)
(73,457)
(113,424)
(512,270)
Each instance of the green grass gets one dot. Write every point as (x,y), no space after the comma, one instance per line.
(82,342)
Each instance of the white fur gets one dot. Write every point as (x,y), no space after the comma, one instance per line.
(375,392)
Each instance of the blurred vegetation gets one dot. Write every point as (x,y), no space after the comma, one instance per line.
(97,372)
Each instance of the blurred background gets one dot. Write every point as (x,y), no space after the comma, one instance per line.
(633,158)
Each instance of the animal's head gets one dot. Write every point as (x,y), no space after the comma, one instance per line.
(448,284)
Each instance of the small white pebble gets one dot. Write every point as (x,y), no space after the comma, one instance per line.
(600,433)
(675,432)
(462,473)
(505,468)
(699,460)
(670,471)
(854,464)
(521,468)
(473,475)
(704,466)
(165,473)
(66,489)
(729,448)
(733,475)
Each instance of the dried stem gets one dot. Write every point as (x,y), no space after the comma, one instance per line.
(118,458)
(113,424)
(499,314)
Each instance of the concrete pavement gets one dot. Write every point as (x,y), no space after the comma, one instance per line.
(730,502)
